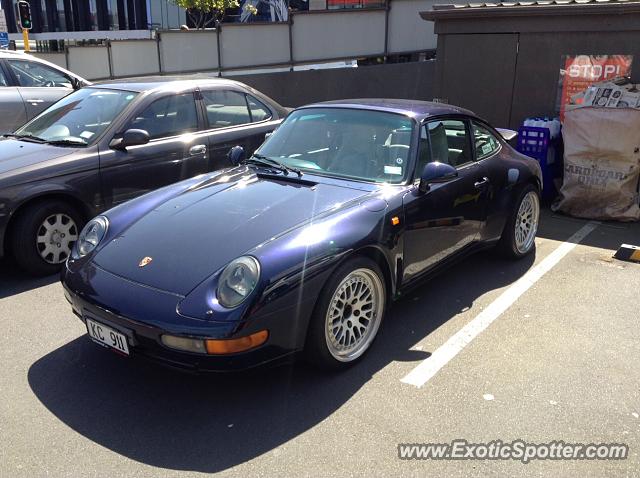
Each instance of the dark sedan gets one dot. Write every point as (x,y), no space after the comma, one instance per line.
(302,246)
(106,144)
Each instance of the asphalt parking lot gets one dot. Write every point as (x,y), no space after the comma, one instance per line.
(560,363)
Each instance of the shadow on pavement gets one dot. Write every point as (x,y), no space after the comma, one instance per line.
(211,423)
(14,281)
(608,235)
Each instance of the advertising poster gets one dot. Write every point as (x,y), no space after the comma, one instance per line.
(578,72)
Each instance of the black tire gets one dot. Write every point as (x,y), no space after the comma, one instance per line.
(317,350)
(507,246)
(24,235)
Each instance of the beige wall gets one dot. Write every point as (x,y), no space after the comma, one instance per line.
(134,57)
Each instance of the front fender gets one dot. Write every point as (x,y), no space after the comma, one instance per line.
(295,267)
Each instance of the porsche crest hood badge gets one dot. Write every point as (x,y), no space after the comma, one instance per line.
(145,261)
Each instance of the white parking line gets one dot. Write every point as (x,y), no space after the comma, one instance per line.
(432,365)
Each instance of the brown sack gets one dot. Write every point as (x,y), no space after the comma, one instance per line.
(601,164)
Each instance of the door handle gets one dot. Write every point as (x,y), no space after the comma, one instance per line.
(197,149)
(35,101)
(483,183)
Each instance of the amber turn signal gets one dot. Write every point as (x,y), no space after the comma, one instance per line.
(232,346)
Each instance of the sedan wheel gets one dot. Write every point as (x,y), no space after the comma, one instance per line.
(55,238)
(348,314)
(43,235)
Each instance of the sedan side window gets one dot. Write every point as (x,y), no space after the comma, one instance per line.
(485,142)
(449,143)
(31,73)
(259,112)
(226,108)
(168,116)
(3,79)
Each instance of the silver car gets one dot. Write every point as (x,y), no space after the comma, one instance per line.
(28,85)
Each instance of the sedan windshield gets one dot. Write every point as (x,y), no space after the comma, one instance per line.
(79,118)
(351,143)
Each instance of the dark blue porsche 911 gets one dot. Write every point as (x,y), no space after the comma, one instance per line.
(302,247)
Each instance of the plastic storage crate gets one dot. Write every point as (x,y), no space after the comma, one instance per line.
(537,144)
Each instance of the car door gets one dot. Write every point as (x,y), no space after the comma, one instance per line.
(234,118)
(176,150)
(491,153)
(13,113)
(39,85)
(449,215)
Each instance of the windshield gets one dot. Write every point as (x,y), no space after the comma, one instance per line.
(351,143)
(80,117)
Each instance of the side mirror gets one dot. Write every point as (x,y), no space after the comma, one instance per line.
(131,137)
(236,155)
(436,172)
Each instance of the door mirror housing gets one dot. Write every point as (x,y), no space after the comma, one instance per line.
(236,155)
(131,137)
(436,172)
(76,84)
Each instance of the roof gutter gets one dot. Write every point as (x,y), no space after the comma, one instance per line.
(450,12)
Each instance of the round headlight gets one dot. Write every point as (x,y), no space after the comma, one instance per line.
(90,236)
(237,281)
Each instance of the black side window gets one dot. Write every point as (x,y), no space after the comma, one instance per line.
(168,116)
(448,141)
(226,108)
(485,142)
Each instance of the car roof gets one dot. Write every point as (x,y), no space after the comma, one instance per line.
(415,108)
(158,83)
(10,53)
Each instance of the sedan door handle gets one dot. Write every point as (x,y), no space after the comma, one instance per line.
(35,101)
(483,183)
(197,149)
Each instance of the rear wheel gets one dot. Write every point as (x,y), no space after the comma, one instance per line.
(518,237)
(43,236)
(348,315)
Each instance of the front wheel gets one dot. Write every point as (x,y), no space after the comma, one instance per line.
(347,316)
(519,235)
(43,236)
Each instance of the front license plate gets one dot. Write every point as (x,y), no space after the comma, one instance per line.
(107,336)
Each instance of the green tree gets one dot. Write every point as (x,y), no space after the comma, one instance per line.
(205,12)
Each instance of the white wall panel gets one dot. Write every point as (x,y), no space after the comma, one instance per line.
(135,57)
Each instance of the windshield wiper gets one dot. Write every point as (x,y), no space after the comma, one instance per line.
(28,137)
(67,142)
(272,163)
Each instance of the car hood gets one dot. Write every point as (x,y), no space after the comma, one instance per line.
(193,235)
(17,155)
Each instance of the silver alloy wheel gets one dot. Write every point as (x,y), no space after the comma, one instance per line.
(354,314)
(55,238)
(526,225)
